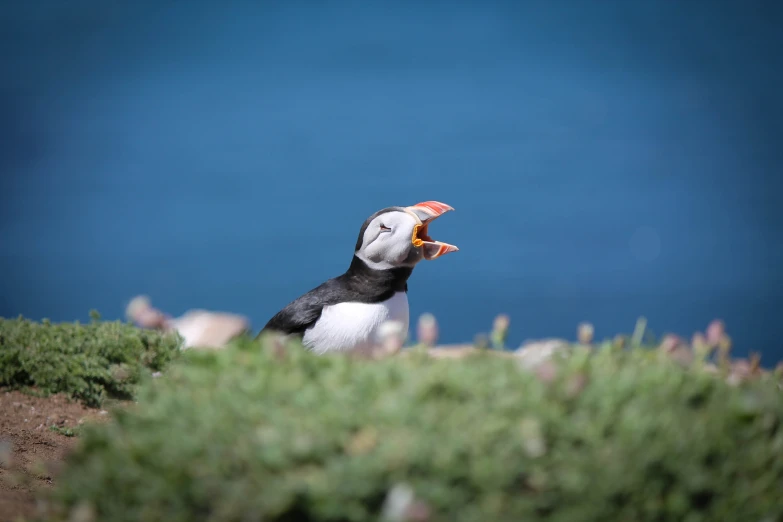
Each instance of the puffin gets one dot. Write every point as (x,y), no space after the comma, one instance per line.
(343,314)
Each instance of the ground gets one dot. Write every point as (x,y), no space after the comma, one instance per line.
(30,451)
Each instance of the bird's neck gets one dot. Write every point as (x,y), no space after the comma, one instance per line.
(391,279)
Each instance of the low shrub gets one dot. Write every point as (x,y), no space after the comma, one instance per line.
(256,433)
(89,362)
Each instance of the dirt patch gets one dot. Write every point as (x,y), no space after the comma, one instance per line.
(30,452)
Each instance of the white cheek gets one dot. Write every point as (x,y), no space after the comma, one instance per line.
(400,251)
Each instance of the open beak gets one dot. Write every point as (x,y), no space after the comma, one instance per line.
(425,213)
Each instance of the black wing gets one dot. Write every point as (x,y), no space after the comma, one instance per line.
(303,312)
(358,284)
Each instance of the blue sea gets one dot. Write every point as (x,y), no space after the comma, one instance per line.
(606,160)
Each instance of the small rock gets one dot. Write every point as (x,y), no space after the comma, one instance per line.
(452,351)
(398,501)
(203,329)
(534,353)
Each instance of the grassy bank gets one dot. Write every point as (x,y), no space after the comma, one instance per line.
(261,431)
(91,362)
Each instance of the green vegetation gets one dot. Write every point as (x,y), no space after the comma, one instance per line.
(89,362)
(258,433)
(68,431)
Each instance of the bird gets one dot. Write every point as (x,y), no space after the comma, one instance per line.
(344,313)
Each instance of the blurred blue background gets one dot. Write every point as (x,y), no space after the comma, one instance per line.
(606,160)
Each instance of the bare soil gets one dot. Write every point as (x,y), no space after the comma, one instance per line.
(30,452)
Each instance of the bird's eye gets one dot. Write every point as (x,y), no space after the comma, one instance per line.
(384,228)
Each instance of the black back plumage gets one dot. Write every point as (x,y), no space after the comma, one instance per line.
(359,283)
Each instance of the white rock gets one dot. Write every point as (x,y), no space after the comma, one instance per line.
(204,329)
(533,353)
(397,502)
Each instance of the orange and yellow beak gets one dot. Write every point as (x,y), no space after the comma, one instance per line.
(425,213)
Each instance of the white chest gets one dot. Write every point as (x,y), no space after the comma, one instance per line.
(353,326)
